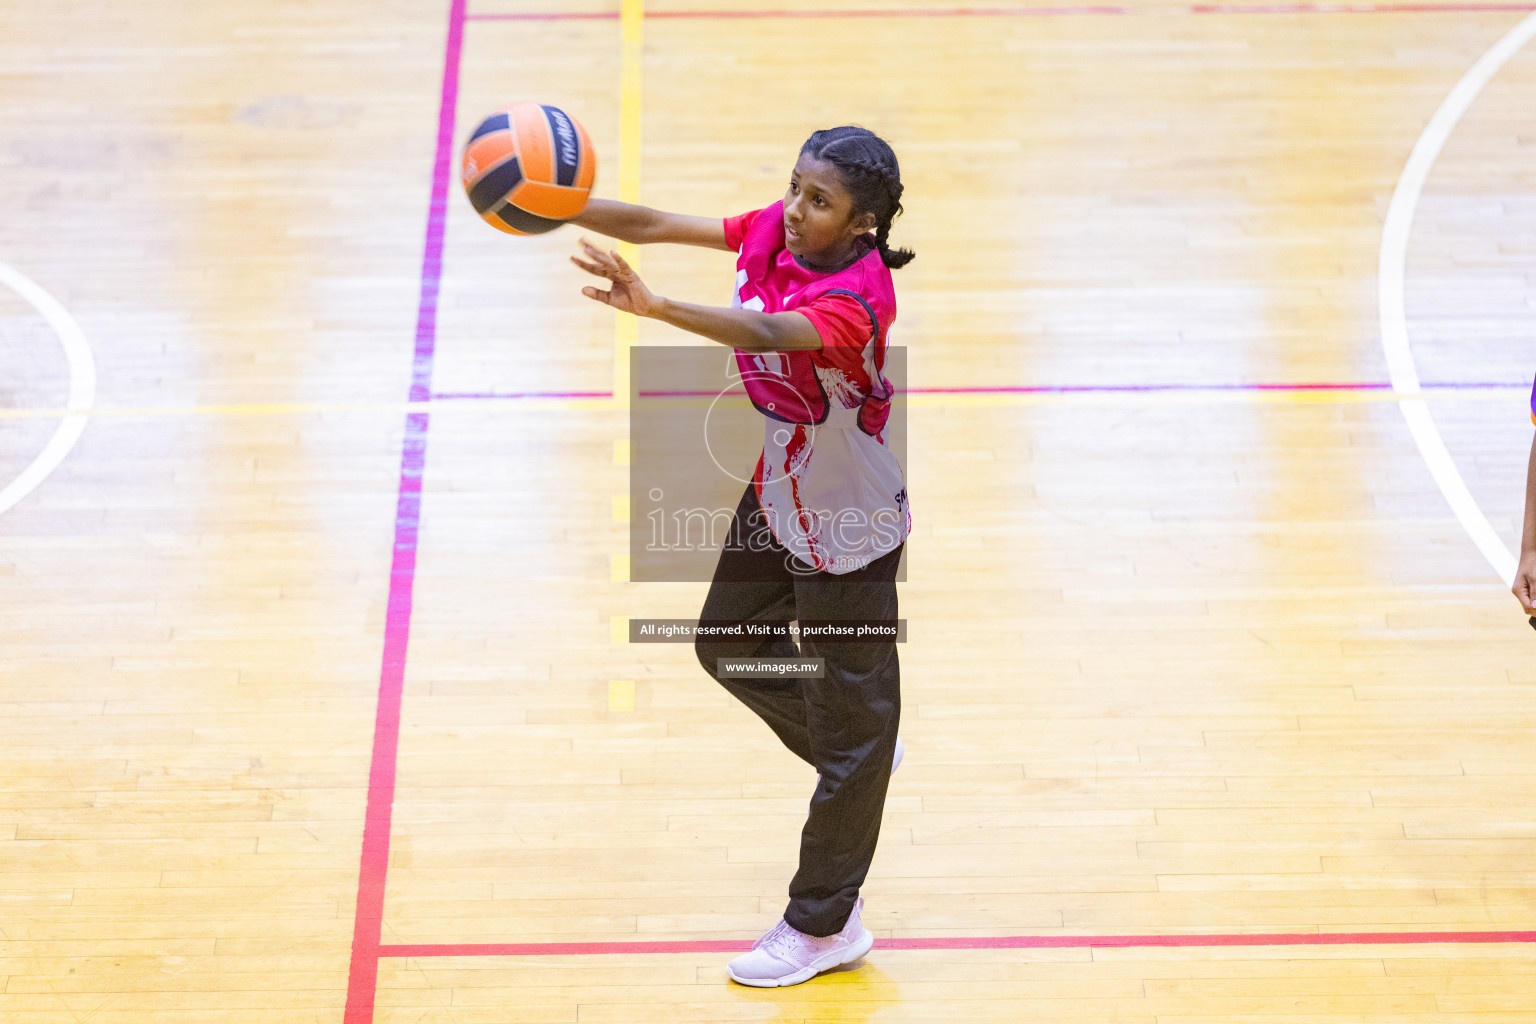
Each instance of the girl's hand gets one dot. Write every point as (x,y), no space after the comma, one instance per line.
(628,294)
(1525,583)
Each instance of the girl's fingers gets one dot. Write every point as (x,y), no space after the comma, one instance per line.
(591,268)
(595,253)
(609,265)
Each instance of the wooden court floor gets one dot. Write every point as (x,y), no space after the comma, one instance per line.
(1214,711)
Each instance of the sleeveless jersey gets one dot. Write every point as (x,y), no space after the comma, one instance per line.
(831,488)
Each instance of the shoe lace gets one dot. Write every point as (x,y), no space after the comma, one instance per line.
(775,937)
(791,945)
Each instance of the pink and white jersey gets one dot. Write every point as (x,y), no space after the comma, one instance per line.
(832,490)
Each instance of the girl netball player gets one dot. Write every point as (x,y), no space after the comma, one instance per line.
(819,532)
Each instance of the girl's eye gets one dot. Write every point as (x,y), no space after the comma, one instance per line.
(793,187)
(819,201)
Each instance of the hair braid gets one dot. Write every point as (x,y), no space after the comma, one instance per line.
(873,178)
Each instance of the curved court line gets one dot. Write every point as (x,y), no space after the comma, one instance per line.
(1394,321)
(82,386)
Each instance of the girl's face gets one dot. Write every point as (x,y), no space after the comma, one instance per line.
(819,223)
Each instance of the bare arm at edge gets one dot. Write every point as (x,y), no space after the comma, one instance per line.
(1525,572)
(744,329)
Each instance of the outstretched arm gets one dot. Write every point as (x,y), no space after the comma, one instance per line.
(745,329)
(641,224)
(1525,572)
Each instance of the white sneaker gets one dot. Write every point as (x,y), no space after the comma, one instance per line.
(786,956)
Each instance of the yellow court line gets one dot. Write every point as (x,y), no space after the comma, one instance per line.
(920,401)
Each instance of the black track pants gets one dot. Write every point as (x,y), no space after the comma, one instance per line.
(843,724)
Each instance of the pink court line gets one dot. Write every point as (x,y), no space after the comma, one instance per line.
(1072,389)
(1010,12)
(1019,389)
(367,929)
(469,395)
(980,942)
(1357,8)
(1068,389)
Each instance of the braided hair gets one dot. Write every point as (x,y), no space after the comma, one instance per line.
(872,177)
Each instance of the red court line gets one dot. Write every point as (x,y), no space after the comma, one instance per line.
(893,12)
(1357,8)
(368,925)
(835,12)
(1206,941)
(1011,12)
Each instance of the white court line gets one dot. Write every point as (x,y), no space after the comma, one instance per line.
(1394,321)
(82,386)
